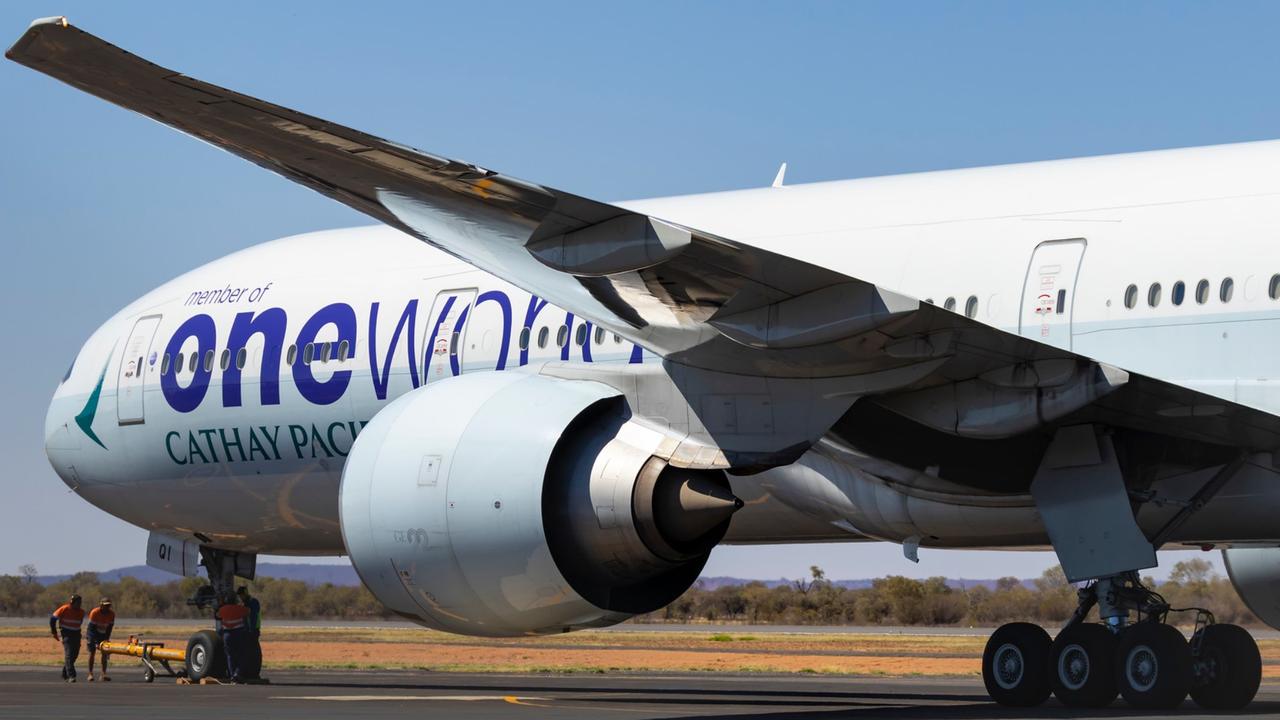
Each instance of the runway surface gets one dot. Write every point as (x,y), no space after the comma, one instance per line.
(40,693)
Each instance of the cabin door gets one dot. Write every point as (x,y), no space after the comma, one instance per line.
(445,334)
(1048,293)
(138,362)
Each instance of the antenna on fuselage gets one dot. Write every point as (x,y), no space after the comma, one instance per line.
(782,173)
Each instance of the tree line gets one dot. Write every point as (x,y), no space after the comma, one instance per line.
(893,600)
(24,596)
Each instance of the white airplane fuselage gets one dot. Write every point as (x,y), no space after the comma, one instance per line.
(164,423)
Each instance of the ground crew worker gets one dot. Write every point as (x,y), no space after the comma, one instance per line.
(67,620)
(101,620)
(233,622)
(253,642)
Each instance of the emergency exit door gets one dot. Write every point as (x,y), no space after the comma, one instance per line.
(138,363)
(446,334)
(1048,294)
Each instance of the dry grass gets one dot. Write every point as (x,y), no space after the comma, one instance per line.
(585,652)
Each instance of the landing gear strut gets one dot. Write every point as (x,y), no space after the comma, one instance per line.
(205,656)
(1150,663)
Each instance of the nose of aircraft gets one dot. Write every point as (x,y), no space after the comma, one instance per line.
(59,442)
(68,424)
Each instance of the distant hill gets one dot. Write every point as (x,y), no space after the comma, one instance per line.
(346,575)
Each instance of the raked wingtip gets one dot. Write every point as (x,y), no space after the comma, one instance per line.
(54,20)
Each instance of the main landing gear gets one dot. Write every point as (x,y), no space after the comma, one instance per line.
(1148,662)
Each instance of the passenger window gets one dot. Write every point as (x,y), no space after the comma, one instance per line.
(343,347)
(971,306)
(1179,292)
(164,366)
(543,334)
(242,357)
(1273,289)
(617,339)
(1153,295)
(1224,291)
(177,365)
(1131,296)
(524,338)
(208,361)
(950,304)
(599,336)
(291,356)
(324,352)
(308,354)
(191,363)
(562,335)
(1202,292)
(224,362)
(1062,302)
(580,337)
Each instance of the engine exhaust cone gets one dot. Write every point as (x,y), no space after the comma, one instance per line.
(687,507)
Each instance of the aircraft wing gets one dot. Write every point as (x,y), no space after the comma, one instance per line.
(698,300)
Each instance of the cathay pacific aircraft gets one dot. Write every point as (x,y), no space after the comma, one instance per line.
(523,411)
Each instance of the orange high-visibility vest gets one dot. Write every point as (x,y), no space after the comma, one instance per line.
(233,617)
(101,620)
(69,618)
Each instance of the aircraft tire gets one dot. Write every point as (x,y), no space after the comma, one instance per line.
(1230,668)
(1081,666)
(205,657)
(1153,666)
(1015,665)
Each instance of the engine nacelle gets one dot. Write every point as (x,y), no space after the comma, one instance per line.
(1255,573)
(513,503)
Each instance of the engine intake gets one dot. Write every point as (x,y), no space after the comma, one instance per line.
(513,503)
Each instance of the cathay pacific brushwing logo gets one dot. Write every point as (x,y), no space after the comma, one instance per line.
(85,418)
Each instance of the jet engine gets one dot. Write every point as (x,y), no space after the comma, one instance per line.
(1255,573)
(512,503)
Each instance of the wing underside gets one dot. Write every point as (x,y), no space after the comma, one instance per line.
(702,302)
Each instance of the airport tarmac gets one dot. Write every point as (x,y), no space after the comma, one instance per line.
(39,693)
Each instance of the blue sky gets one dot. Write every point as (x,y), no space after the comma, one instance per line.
(611,101)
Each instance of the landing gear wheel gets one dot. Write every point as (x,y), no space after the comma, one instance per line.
(1228,670)
(204,657)
(1015,665)
(148,675)
(1081,664)
(1153,666)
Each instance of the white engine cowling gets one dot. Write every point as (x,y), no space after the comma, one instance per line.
(513,503)
(1255,573)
